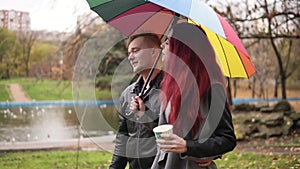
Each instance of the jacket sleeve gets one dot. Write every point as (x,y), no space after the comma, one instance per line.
(119,159)
(222,139)
(118,162)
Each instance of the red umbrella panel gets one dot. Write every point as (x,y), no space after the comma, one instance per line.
(144,18)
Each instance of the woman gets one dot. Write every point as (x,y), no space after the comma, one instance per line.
(194,103)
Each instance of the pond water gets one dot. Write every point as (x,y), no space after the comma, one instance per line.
(41,122)
(55,123)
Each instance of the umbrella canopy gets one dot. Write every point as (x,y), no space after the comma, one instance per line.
(133,16)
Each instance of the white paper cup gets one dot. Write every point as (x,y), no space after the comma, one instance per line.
(163,129)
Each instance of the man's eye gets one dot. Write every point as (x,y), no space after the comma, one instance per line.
(135,51)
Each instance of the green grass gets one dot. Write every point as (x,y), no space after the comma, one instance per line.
(48,90)
(93,159)
(4,93)
(54,160)
(103,94)
(254,160)
(51,90)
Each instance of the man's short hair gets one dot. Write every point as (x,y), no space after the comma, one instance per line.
(152,39)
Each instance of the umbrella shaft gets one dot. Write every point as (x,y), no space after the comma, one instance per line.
(141,94)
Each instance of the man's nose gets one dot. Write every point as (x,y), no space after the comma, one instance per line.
(130,56)
(163,45)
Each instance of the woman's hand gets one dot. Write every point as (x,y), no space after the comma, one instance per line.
(137,105)
(176,144)
(172,143)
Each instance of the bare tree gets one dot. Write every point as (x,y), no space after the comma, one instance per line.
(27,40)
(274,20)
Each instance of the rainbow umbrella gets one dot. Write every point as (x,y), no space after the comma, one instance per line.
(133,16)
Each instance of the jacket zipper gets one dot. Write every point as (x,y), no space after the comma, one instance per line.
(138,143)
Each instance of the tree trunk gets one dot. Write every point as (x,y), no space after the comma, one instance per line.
(7,73)
(27,70)
(234,87)
(276,88)
(283,86)
(261,90)
(281,70)
(253,87)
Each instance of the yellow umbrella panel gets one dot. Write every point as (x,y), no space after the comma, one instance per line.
(231,60)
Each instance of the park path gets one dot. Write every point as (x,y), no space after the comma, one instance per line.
(17,94)
(102,143)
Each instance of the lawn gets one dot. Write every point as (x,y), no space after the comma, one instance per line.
(4,94)
(54,160)
(52,90)
(253,160)
(100,160)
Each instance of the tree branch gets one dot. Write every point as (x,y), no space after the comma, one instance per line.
(277,36)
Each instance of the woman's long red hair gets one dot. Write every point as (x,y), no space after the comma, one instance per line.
(177,86)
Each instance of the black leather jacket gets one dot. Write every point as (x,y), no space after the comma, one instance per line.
(215,137)
(135,140)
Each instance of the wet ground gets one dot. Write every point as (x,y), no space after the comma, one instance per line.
(283,145)
(275,145)
(103,143)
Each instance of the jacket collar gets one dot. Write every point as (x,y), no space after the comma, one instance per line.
(155,83)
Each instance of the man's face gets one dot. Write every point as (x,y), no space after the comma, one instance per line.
(140,55)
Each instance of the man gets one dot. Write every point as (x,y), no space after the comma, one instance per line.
(135,141)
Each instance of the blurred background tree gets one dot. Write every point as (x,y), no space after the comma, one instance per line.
(269,29)
(9,53)
(274,21)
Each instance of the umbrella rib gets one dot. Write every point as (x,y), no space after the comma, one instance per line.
(157,58)
(224,55)
(171,24)
(242,62)
(134,30)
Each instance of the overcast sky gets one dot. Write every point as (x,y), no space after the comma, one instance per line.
(52,15)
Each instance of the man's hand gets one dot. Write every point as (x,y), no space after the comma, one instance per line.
(137,105)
